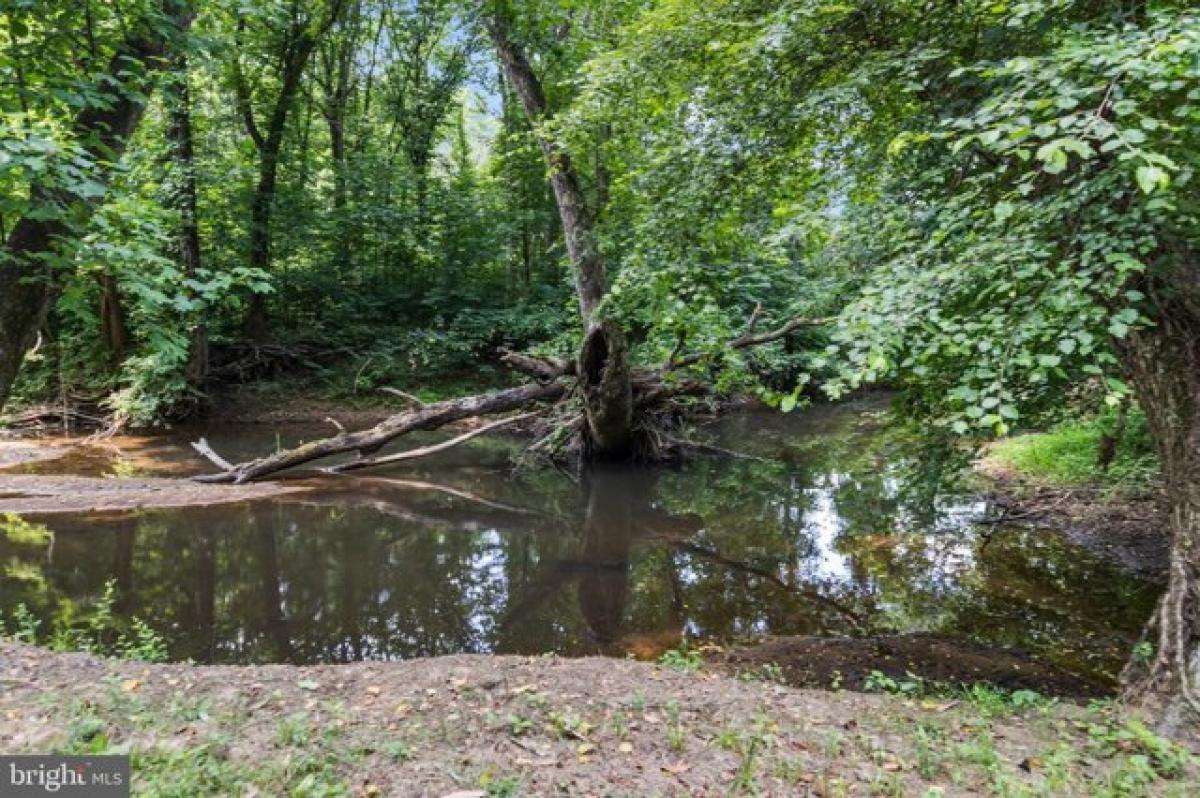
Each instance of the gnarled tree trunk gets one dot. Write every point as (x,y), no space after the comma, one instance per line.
(1163,363)
(603,364)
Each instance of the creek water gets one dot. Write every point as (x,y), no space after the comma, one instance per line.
(830,529)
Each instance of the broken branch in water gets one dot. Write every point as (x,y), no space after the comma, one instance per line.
(653,390)
(203,448)
(427,417)
(412,454)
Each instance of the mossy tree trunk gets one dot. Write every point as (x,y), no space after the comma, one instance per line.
(603,363)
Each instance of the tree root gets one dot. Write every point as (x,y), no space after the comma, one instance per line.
(567,431)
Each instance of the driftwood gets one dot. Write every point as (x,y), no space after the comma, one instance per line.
(567,430)
(412,454)
(369,441)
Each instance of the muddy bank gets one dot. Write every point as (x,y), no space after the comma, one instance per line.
(475,726)
(16,452)
(34,495)
(1126,528)
(847,663)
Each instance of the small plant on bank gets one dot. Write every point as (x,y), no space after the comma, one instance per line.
(96,630)
(988,699)
(682,659)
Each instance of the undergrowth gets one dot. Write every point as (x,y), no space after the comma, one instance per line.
(1066,455)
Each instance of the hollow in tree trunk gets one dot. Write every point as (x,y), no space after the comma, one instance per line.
(604,357)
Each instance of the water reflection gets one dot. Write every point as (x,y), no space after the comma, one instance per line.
(462,555)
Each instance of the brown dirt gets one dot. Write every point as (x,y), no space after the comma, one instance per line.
(848,662)
(33,495)
(14,453)
(1126,529)
(544,725)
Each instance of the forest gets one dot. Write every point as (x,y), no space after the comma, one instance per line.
(597,229)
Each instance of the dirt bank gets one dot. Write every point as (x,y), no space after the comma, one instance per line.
(849,662)
(1125,528)
(477,725)
(34,495)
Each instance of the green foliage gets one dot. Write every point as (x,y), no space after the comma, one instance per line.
(1150,757)
(21,532)
(1021,226)
(988,699)
(683,659)
(94,629)
(1066,454)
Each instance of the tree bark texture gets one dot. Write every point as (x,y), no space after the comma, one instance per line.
(604,357)
(184,194)
(1163,363)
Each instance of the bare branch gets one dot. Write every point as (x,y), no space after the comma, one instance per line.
(412,454)
(207,451)
(403,395)
(747,339)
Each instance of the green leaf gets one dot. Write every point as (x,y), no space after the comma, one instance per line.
(1151,177)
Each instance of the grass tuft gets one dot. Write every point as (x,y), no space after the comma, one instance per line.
(1065,456)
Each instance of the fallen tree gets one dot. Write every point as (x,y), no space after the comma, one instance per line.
(561,428)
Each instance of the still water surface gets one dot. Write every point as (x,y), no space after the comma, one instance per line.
(829,531)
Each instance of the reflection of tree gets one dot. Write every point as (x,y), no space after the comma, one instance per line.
(124,540)
(274,618)
(614,505)
(379,568)
(204,595)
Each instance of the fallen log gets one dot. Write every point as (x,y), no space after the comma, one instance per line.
(369,441)
(652,390)
(412,454)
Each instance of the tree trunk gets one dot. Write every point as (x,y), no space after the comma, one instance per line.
(297,49)
(604,357)
(187,242)
(29,281)
(112,318)
(1163,363)
(255,324)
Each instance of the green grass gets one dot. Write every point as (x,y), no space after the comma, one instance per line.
(1065,455)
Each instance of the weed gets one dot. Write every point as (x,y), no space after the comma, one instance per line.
(676,734)
(293,730)
(683,659)
(398,751)
(502,787)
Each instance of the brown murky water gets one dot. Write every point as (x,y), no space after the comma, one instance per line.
(831,532)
